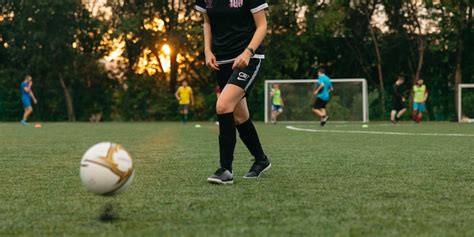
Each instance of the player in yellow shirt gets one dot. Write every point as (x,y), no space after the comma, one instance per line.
(420,95)
(184,95)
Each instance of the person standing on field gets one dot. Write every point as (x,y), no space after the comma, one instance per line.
(322,94)
(420,95)
(233,33)
(277,102)
(184,95)
(26,97)
(398,101)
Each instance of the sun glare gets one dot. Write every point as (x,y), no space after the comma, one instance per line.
(166,49)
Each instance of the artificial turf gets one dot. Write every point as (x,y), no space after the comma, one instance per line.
(321,183)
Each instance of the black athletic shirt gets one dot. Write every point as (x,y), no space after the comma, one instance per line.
(396,95)
(232,26)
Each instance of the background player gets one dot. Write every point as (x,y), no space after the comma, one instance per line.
(322,93)
(420,95)
(398,101)
(26,96)
(277,102)
(185,96)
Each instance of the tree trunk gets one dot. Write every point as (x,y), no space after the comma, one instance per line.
(67,96)
(421,55)
(173,69)
(459,53)
(379,68)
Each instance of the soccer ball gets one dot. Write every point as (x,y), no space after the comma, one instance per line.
(106,169)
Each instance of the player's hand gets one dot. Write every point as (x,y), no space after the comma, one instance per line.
(35,101)
(242,61)
(211,61)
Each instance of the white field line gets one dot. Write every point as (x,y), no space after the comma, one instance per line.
(383,133)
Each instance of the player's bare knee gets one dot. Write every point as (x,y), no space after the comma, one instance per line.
(240,118)
(222,108)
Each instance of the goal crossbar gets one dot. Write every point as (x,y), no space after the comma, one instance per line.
(365,99)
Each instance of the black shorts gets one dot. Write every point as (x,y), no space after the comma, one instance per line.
(320,104)
(243,78)
(398,105)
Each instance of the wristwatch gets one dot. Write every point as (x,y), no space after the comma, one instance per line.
(251,50)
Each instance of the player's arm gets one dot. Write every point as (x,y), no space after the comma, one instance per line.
(27,88)
(321,85)
(261,30)
(33,96)
(177,95)
(211,61)
(425,98)
(192,98)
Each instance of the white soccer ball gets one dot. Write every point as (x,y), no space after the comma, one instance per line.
(106,169)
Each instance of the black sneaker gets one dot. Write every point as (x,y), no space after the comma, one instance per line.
(221,176)
(257,169)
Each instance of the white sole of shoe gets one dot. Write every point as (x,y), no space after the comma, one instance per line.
(218,181)
(267,168)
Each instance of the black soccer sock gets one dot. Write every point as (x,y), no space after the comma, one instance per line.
(249,136)
(227,139)
(185,117)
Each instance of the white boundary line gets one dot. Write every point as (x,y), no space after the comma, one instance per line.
(382,133)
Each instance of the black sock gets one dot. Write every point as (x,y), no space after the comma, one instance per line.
(226,139)
(249,136)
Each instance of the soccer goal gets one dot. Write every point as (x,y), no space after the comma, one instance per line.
(465,101)
(348,103)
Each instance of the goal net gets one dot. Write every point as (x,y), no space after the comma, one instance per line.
(348,103)
(465,102)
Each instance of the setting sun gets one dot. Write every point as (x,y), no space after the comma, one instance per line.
(166,49)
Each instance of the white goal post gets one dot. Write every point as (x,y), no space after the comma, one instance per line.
(302,90)
(459,105)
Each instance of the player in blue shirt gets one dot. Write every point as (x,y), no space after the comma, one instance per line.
(26,96)
(322,93)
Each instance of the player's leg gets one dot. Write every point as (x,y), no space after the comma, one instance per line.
(230,96)
(414,113)
(325,117)
(421,109)
(249,136)
(318,108)
(185,113)
(393,113)
(26,114)
(181,113)
(400,113)
(278,112)
(318,112)
(274,114)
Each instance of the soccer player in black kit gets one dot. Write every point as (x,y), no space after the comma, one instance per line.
(398,101)
(233,32)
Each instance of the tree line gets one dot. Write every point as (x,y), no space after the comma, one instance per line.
(86,58)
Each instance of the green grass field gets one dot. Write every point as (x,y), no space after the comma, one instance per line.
(321,184)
